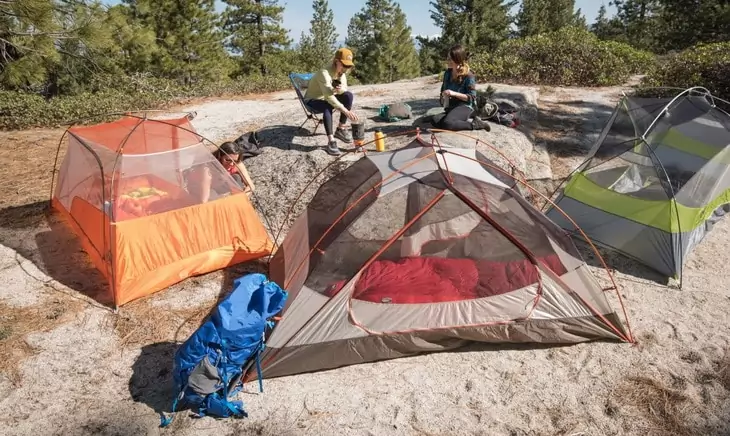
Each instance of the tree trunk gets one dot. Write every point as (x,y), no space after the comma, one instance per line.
(260,27)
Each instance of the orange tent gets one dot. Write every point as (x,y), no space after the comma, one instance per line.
(127,189)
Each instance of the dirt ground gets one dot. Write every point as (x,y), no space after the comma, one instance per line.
(69,365)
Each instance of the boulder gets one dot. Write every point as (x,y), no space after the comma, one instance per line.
(293,157)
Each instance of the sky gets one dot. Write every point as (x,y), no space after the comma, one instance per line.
(298,13)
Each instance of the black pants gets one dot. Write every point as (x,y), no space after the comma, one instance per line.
(346,98)
(456,119)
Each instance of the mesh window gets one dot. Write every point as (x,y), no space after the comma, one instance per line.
(643,111)
(80,175)
(449,254)
(630,178)
(623,135)
(679,144)
(623,163)
(139,136)
(489,166)
(452,254)
(516,216)
(155,183)
(158,166)
(709,183)
(620,137)
(361,239)
(687,137)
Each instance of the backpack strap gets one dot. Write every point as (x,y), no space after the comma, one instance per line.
(261,348)
(167,420)
(257,359)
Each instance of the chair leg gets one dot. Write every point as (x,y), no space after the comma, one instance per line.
(301,126)
(317,122)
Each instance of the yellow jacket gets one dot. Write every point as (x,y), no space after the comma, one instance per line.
(320,87)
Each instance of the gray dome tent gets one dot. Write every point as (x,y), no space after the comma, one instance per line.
(421,249)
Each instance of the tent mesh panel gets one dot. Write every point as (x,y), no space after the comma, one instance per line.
(141,184)
(449,253)
(178,179)
(623,163)
(80,175)
(679,145)
(691,138)
(360,238)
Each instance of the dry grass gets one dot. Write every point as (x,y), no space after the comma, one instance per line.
(16,323)
(26,170)
(664,409)
(140,323)
(26,165)
(723,370)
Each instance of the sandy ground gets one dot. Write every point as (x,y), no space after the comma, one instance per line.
(69,366)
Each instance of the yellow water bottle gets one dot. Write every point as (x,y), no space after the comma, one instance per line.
(379,140)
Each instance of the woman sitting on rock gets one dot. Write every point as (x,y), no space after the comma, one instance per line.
(459,95)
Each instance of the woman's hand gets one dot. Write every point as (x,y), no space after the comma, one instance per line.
(454,94)
(352,116)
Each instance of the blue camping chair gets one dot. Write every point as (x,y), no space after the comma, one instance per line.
(300,81)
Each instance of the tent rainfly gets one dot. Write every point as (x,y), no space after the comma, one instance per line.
(423,249)
(656,180)
(127,189)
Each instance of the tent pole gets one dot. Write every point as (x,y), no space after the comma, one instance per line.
(666,108)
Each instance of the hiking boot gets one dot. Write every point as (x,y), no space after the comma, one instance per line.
(332,149)
(479,124)
(343,135)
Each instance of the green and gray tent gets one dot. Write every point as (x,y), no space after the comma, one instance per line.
(655,181)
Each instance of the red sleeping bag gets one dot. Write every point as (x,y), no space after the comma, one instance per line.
(413,280)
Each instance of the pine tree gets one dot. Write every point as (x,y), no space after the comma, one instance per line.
(317,47)
(480,25)
(135,44)
(542,16)
(683,24)
(607,28)
(579,20)
(25,47)
(256,33)
(639,21)
(430,55)
(51,46)
(402,61)
(381,41)
(188,33)
(91,52)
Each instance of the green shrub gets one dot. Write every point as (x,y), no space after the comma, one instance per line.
(108,94)
(706,65)
(568,57)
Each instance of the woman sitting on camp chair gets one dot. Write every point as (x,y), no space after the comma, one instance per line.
(202,184)
(458,95)
(327,91)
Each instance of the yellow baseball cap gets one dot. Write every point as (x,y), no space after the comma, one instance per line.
(344,55)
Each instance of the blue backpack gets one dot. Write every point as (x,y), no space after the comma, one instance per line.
(209,366)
